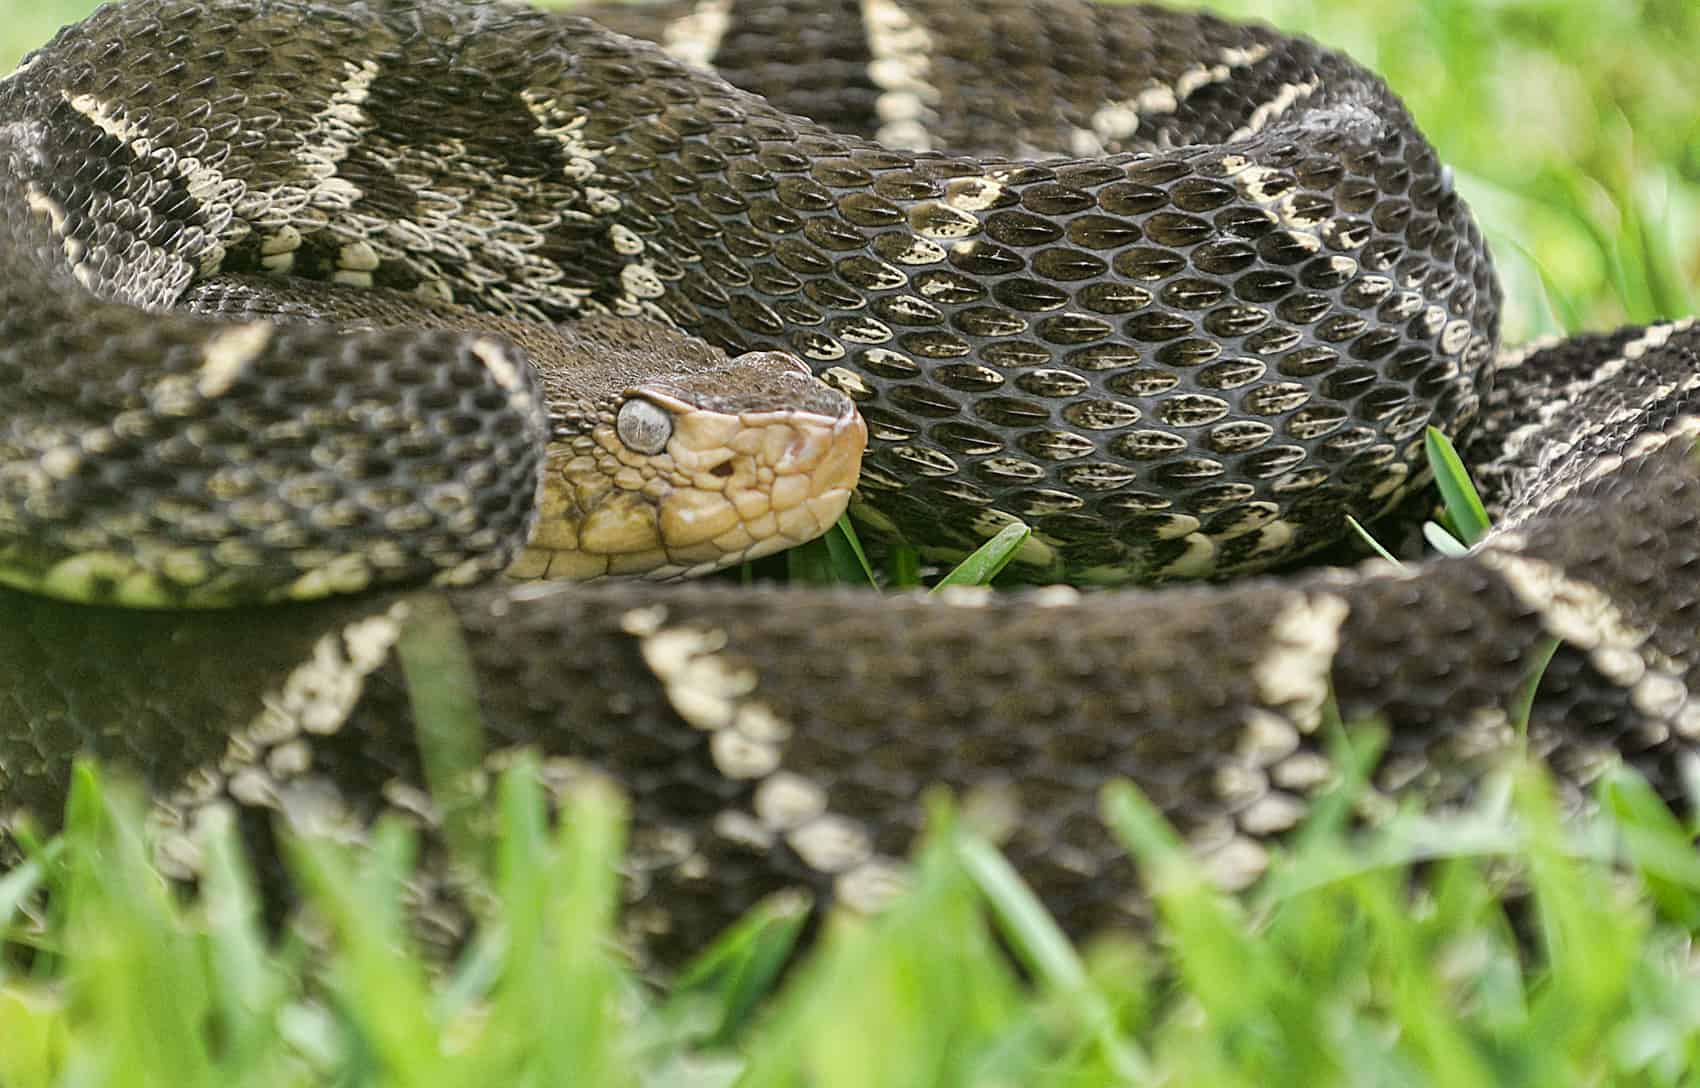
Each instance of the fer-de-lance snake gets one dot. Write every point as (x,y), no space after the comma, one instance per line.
(1181,295)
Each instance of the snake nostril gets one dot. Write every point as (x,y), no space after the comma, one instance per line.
(722,470)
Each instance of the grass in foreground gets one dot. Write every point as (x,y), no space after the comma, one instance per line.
(1341,968)
(1335,971)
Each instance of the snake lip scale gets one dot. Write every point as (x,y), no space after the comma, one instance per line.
(279,295)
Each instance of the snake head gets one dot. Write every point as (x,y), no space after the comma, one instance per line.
(694,468)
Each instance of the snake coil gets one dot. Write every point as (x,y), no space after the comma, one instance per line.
(1191,345)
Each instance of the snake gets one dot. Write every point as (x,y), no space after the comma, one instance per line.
(324,321)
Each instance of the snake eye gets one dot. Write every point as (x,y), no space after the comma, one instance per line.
(643,426)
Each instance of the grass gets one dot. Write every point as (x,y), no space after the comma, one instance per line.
(1573,130)
(1334,971)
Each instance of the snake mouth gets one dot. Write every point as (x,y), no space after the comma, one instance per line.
(726,486)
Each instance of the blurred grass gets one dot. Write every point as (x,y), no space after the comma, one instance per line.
(1574,130)
(1340,968)
(1572,124)
(25,24)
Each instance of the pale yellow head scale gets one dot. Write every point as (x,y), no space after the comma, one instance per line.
(722,461)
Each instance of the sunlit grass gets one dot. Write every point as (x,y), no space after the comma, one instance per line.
(1339,968)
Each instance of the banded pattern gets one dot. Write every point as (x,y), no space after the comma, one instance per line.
(783,737)
(1190,359)
(1139,348)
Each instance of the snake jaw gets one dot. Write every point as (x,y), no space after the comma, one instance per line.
(789,479)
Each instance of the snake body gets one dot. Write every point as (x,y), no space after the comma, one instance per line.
(1191,345)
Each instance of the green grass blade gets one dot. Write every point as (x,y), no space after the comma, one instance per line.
(443,687)
(248,989)
(1442,541)
(36,1031)
(1588,936)
(903,567)
(379,977)
(835,558)
(1374,544)
(988,559)
(16,889)
(720,989)
(849,561)
(1044,950)
(1463,506)
(588,1044)
(138,969)
(1523,700)
(812,564)
(1656,844)
(915,995)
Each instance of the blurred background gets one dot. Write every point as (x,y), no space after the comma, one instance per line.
(1573,125)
